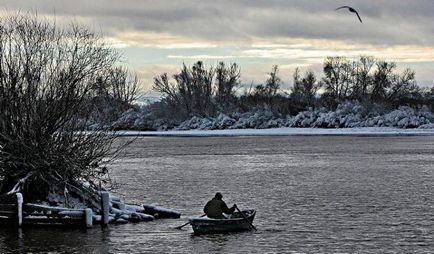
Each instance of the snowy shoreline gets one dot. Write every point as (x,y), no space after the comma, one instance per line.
(364,131)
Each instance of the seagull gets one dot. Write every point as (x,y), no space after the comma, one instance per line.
(351,9)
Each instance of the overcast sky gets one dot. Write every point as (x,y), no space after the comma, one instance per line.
(159,35)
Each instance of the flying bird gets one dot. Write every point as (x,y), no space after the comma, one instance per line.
(351,9)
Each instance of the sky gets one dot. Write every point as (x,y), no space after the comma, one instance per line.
(157,36)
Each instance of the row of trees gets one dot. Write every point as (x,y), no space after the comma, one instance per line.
(198,90)
(368,79)
(203,91)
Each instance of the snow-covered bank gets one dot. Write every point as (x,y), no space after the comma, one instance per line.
(365,131)
(346,115)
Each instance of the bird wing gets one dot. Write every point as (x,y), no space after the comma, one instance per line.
(359,17)
(342,7)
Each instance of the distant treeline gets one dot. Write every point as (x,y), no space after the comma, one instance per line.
(200,90)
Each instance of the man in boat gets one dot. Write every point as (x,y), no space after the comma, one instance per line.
(216,207)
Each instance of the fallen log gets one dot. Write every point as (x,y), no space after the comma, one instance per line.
(161,212)
(130,215)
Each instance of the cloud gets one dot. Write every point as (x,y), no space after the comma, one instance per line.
(385,22)
(317,54)
(253,32)
(200,57)
(157,40)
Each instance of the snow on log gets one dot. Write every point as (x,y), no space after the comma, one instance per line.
(30,208)
(130,215)
(161,212)
(115,198)
(120,221)
(113,210)
(135,208)
(97,218)
(72,213)
(119,212)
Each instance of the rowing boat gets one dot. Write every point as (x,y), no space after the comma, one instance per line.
(234,223)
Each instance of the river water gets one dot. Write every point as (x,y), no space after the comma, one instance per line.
(312,195)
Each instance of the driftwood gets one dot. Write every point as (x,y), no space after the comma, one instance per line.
(111,210)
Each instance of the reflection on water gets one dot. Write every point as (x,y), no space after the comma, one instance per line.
(313,194)
(26,240)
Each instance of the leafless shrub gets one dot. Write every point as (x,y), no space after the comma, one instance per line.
(197,90)
(367,79)
(46,75)
(304,89)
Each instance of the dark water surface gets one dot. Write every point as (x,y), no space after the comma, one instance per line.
(312,194)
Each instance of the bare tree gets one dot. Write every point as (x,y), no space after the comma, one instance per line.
(192,89)
(201,82)
(227,78)
(368,79)
(123,86)
(114,93)
(304,89)
(338,74)
(404,87)
(169,89)
(363,79)
(273,83)
(46,75)
(382,80)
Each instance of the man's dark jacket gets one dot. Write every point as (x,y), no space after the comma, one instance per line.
(216,207)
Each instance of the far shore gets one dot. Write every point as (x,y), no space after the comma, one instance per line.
(366,131)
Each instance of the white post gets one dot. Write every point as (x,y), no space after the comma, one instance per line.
(105,207)
(19,209)
(88,214)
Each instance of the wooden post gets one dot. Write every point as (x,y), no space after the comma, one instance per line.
(19,209)
(88,216)
(105,207)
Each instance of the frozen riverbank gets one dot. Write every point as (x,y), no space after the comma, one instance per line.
(346,115)
(366,131)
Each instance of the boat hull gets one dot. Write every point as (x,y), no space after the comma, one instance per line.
(235,223)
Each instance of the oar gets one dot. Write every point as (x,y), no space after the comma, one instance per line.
(179,227)
(242,214)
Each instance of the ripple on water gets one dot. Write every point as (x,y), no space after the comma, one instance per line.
(313,195)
